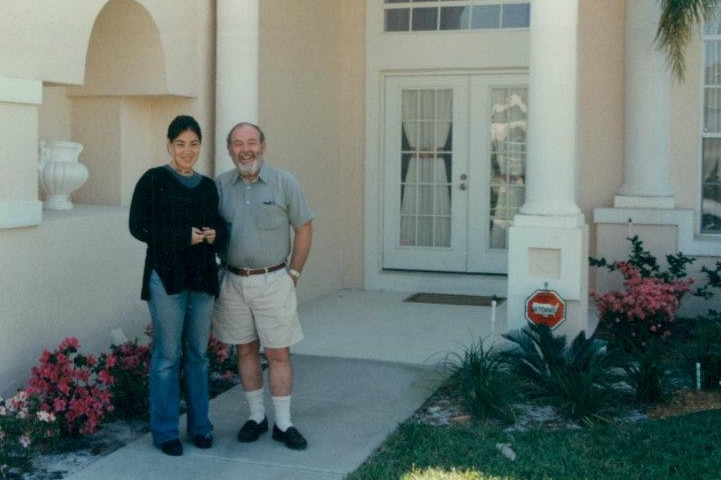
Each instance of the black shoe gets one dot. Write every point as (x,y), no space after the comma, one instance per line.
(203,441)
(251,430)
(291,437)
(172,447)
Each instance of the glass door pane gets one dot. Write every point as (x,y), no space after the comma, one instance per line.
(426,166)
(508,160)
(425,154)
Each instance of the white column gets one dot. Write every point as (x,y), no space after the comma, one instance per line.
(548,243)
(20,99)
(551,168)
(236,93)
(648,86)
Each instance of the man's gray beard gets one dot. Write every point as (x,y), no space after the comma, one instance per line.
(251,170)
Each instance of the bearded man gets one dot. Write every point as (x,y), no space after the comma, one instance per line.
(260,268)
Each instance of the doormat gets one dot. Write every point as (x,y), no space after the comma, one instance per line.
(452,299)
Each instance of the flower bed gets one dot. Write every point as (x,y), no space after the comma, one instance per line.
(70,396)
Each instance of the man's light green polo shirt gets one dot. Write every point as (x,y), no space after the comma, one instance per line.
(259,216)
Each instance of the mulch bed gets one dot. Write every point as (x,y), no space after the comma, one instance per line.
(686,401)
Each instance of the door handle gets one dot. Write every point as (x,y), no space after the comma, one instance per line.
(463,186)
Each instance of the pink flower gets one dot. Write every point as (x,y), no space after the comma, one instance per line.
(59,405)
(70,343)
(110,361)
(645,307)
(46,417)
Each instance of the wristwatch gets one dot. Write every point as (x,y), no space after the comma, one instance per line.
(294,273)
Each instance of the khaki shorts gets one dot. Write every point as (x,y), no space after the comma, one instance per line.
(259,307)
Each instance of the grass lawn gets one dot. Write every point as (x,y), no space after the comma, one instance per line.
(685,447)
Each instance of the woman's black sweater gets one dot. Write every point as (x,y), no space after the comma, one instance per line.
(162,214)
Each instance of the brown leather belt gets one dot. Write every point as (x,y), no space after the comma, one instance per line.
(247,272)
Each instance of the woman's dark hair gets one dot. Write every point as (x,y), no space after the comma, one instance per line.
(182,123)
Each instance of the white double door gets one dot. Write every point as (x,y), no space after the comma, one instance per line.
(454,156)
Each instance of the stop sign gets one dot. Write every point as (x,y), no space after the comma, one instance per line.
(545,307)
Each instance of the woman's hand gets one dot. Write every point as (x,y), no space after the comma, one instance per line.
(197,236)
(209,234)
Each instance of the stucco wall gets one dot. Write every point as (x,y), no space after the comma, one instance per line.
(78,272)
(600,105)
(602,156)
(686,127)
(48,39)
(311,108)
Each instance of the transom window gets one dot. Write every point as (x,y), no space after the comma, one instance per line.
(435,15)
(711,134)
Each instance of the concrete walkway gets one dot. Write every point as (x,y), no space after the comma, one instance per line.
(369,360)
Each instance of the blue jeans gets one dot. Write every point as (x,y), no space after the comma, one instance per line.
(181,330)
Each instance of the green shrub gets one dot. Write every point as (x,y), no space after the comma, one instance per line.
(482,380)
(127,366)
(700,342)
(27,428)
(578,379)
(640,318)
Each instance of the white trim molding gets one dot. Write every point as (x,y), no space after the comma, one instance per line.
(21,90)
(20,214)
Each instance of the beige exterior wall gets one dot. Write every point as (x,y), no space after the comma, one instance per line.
(601,112)
(600,105)
(311,109)
(49,39)
(686,116)
(601,152)
(78,272)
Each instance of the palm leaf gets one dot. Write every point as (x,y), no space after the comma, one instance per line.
(676,28)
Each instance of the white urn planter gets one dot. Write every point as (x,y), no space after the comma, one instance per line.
(60,172)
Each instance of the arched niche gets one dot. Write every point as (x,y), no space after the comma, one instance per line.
(115,113)
(125,54)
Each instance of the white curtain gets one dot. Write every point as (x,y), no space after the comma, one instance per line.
(426,203)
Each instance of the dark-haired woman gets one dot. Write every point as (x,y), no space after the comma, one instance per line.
(175,212)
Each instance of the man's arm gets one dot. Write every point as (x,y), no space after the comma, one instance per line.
(303,236)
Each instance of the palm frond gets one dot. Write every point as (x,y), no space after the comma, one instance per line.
(676,27)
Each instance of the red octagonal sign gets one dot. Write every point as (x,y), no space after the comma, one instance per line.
(545,307)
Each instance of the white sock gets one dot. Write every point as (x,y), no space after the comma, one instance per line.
(281,407)
(256,405)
